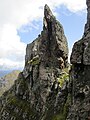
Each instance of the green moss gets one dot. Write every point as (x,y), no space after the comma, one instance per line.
(63,115)
(21,105)
(62,78)
(66,106)
(66,69)
(15,105)
(58,117)
(34,61)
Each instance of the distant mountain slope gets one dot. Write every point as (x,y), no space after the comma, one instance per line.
(3,73)
(8,80)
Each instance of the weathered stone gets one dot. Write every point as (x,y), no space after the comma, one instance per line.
(87,25)
(79,75)
(51,44)
(40,92)
(81,49)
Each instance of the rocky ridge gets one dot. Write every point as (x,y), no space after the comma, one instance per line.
(41,90)
(44,90)
(80,75)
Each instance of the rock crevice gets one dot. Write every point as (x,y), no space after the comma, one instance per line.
(40,92)
(79,75)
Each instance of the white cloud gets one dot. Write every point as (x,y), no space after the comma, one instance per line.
(75,5)
(12,50)
(16,13)
(6,64)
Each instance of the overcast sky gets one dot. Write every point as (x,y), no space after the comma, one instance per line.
(21,22)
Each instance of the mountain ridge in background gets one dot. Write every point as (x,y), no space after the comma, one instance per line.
(8,80)
(4,72)
(46,89)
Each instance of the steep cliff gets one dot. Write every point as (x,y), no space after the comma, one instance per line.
(80,75)
(40,92)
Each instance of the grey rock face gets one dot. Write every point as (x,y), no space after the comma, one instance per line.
(80,92)
(87,26)
(40,92)
(51,46)
(79,75)
(81,49)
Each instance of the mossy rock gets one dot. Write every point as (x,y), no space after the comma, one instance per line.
(34,61)
(62,78)
(63,114)
(19,109)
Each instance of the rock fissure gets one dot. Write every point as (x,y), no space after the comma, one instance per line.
(79,75)
(46,89)
(39,93)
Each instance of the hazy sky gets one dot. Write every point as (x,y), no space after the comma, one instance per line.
(21,22)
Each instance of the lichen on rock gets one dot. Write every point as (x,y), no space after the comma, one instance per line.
(36,94)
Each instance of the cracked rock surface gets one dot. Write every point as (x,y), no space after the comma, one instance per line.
(80,75)
(40,92)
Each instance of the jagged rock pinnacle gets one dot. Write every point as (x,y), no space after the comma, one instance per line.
(47,12)
(37,94)
(48,16)
(52,43)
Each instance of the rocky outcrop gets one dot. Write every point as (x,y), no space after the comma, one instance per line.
(40,92)
(51,46)
(79,75)
(87,25)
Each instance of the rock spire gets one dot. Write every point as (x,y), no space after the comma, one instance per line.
(40,92)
